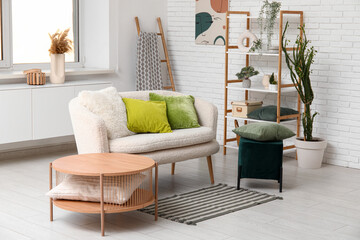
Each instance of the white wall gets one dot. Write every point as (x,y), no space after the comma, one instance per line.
(109,40)
(147,11)
(109,35)
(333,27)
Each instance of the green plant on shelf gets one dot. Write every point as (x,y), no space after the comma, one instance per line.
(257,45)
(247,73)
(299,65)
(270,10)
(272,79)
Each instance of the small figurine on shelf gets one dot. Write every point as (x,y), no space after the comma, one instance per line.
(35,77)
(273,83)
(245,74)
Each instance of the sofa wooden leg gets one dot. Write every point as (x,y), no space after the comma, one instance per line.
(211,173)
(172,168)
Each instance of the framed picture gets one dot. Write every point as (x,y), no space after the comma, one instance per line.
(210,21)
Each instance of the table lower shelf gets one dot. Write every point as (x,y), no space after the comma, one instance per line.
(95,207)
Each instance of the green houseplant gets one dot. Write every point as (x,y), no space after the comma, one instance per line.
(310,150)
(245,75)
(273,83)
(266,20)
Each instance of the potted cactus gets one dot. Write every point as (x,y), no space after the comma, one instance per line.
(245,75)
(310,150)
(273,83)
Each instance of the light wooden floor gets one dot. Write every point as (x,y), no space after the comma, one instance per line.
(318,204)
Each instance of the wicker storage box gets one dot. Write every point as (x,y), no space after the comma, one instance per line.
(243,108)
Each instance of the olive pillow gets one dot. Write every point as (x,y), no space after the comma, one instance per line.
(181,112)
(268,113)
(264,132)
(146,116)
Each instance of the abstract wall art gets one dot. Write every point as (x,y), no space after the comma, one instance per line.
(210,21)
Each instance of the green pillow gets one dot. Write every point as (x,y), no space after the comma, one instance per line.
(268,113)
(146,116)
(264,132)
(180,110)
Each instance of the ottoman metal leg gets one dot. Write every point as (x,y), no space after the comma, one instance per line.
(280,179)
(238,177)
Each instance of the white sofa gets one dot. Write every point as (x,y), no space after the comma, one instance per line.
(183,144)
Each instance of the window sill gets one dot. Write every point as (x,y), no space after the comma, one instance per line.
(5,74)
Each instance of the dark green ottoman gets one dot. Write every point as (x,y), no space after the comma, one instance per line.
(261,160)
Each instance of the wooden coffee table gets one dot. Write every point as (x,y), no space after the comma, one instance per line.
(115,171)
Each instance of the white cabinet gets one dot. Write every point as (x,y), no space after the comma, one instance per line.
(91,88)
(39,112)
(15,112)
(51,113)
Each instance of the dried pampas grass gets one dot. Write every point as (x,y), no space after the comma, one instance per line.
(60,43)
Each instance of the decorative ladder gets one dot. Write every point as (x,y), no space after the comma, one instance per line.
(166,60)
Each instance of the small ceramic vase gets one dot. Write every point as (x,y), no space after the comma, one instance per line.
(57,66)
(266,81)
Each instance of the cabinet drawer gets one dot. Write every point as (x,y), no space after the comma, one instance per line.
(91,88)
(51,116)
(15,120)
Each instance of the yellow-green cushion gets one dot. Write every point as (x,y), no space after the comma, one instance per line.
(146,116)
(180,110)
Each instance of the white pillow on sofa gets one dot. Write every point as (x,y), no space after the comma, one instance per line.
(87,188)
(108,105)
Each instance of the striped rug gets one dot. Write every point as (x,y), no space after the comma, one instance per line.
(206,203)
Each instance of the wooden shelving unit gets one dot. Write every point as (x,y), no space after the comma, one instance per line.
(234,84)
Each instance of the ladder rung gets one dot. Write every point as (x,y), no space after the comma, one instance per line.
(289,116)
(234,81)
(287,85)
(163,60)
(231,139)
(167,87)
(289,147)
(229,110)
(159,34)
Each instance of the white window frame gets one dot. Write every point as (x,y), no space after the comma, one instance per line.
(7,62)
(6,34)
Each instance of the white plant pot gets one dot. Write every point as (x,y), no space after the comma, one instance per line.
(57,64)
(246,83)
(310,153)
(273,87)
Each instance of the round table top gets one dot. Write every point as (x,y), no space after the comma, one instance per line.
(94,164)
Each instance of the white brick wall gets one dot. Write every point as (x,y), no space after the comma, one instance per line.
(334,28)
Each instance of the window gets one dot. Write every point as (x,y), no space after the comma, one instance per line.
(33,20)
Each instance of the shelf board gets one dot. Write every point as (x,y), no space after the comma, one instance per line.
(237,16)
(273,54)
(259,88)
(244,16)
(256,120)
(232,146)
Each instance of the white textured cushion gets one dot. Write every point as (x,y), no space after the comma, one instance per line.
(108,105)
(86,188)
(150,142)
